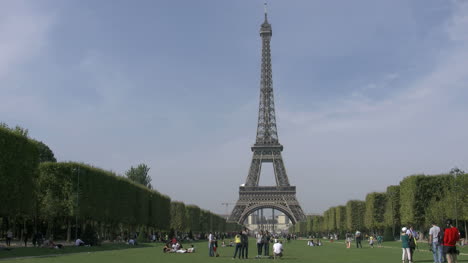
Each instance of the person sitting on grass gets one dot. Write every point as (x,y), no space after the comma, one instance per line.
(79,243)
(191,249)
(176,246)
(132,242)
(167,247)
(277,249)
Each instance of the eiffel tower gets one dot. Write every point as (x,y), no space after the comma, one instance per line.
(267,149)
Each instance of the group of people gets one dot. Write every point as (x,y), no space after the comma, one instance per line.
(311,242)
(358,237)
(442,243)
(241,242)
(263,243)
(175,247)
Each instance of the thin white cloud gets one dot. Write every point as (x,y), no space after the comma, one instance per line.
(409,131)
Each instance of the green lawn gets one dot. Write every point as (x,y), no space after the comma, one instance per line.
(296,251)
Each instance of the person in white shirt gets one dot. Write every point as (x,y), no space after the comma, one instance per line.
(79,242)
(277,249)
(435,243)
(211,243)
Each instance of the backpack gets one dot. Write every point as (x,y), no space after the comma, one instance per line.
(412,242)
(440,237)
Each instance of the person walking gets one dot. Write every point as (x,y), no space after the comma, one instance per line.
(238,244)
(406,253)
(358,237)
(259,243)
(413,236)
(435,243)
(25,237)
(451,236)
(371,241)
(245,244)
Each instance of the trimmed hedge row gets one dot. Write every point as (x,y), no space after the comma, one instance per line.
(38,191)
(92,194)
(73,189)
(419,200)
(18,172)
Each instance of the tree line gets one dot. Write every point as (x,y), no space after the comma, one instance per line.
(62,199)
(418,200)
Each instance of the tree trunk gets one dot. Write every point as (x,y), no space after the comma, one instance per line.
(466,235)
(68,229)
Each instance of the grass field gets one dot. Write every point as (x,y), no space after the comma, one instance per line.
(295,251)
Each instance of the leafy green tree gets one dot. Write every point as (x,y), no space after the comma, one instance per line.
(193,218)
(45,153)
(392,208)
(417,192)
(178,216)
(340,214)
(457,192)
(355,210)
(18,173)
(316,223)
(375,210)
(140,175)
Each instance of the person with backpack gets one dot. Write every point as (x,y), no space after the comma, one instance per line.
(245,244)
(405,246)
(413,236)
(451,236)
(435,243)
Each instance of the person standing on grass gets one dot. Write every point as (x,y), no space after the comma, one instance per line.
(435,243)
(266,244)
(348,240)
(238,242)
(259,243)
(451,236)
(25,237)
(245,244)
(211,244)
(379,240)
(358,237)
(9,237)
(406,254)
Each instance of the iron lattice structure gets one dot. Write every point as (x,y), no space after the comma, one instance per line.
(267,149)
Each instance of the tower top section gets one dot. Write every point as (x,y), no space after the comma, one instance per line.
(265,29)
(267,134)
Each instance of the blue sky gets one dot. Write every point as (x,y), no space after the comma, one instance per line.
(367,92)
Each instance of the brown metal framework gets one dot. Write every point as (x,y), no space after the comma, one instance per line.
(267,149)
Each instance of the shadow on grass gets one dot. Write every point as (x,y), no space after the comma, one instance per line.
(50,252)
